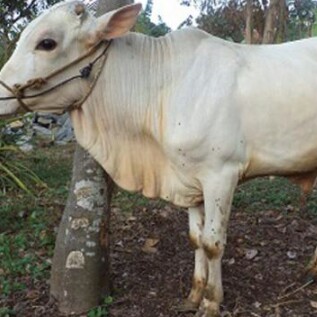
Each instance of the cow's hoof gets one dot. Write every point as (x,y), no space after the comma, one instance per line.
(208,309)
(187,306)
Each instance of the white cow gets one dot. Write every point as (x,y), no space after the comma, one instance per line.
(185,117)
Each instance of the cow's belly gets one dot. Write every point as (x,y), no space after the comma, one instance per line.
(159,182)
(290,154)
(140,165)
(173,186)
(281,163)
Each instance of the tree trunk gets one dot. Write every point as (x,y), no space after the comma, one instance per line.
(272,15)
(249,24)
(80,269)
(282,22)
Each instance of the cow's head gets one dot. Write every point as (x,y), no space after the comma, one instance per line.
(57,37)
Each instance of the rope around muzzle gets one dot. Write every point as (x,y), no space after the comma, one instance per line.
(37,83)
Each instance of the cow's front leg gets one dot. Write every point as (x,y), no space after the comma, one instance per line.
(196,224)
(218,194)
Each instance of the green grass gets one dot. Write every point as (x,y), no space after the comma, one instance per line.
(27,223)
(266,194)
(277,194)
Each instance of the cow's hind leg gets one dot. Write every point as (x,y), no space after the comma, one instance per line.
(218,194)
(196,224)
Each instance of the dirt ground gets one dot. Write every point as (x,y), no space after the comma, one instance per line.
(152,264)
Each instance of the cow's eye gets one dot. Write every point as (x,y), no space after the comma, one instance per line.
(46,45)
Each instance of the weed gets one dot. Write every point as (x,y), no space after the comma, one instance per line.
(102,310)
(12,172)
(6,312)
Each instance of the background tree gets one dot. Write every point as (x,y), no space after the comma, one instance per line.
(146,26)
(302,17)
(257,21)
(249,22)
(231,20)
(15,14)
(226,21)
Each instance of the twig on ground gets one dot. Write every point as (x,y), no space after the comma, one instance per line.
(296,290)
(294,301)
(254,314)
(278,311)
(287,288)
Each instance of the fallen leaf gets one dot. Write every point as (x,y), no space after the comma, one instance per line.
(231,261)
(313,304)
(291,255)
(149,245)
(251,254)
(151,242)
(257,304)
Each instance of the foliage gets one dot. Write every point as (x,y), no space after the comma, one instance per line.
(13,172)
(14,14)
(227,18)
(225,22)
(146,26)
(302,17)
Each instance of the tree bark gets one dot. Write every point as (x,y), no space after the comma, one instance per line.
(80,269)
(272,15)
(282,22)
(249,24)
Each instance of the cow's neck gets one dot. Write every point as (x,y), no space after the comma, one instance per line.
(122,123)
(134,85)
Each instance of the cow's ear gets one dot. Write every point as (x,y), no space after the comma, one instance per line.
(118,22)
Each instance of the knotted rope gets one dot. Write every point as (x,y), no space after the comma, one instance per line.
(18,90)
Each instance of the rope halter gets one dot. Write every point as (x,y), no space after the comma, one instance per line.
(18,90)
